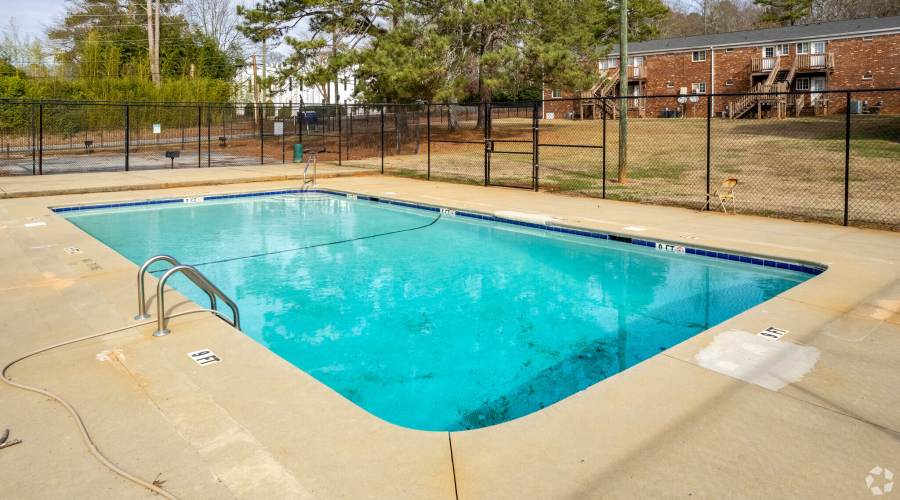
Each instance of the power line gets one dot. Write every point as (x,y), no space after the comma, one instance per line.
(122,14)
(143,40)
(77,26)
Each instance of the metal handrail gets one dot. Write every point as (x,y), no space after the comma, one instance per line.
(142,305)
(204,284)
(314,159)
(142,298)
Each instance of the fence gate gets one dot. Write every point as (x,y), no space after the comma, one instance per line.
(510,144)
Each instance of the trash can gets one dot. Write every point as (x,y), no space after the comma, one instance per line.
(298,153)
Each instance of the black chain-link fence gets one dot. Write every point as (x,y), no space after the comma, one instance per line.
(831,156)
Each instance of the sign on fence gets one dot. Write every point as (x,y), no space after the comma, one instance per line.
(157,128)
(278,128)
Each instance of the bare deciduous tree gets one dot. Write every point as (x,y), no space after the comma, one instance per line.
(217,19)
(833,10)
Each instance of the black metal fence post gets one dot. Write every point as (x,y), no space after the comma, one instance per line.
(535,145)
(485,122)
(428,136)
(351,111)
(340,134)
(199,136)
(847,161)
(33,143)
(382,139)
(41,139)
(261,140)
(708,148)
(208,136)
(127,137)
(604,102)
(301,117)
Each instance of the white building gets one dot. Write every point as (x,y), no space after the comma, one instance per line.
(292,91)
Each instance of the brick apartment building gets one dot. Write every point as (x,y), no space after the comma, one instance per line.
(853,54)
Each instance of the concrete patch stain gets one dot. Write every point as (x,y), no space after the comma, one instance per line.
(772,364)
(116,358)
(107,355)
(889,304)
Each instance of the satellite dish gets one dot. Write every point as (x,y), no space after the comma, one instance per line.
(682,100)
(695,98)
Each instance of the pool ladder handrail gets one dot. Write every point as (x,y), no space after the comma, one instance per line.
(196,277)
(312,157)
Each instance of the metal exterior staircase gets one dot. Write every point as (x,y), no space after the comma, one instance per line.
(768,92)
(603,88)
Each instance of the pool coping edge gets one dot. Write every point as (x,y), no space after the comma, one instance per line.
(806,267)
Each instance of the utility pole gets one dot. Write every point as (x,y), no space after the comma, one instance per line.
(150,43)
(153,40)
(156,42)
(623,91)
(262,90)
(254,84)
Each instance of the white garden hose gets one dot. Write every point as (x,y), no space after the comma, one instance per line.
(81,427)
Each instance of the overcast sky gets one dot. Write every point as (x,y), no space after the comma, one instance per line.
(31,16)
(40,14)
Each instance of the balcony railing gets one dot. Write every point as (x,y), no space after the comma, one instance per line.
(760,64)
(805,62)
(634,72)
(823,61)
(637,72)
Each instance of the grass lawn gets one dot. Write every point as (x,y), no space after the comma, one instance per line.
(789,168)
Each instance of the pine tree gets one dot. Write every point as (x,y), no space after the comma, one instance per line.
(784,11)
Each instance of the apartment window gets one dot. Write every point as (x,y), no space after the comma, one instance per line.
(868,75)
(345,83)
(698,88)
(729,83)
(670,85)
(784,49)
(810,47)
(801,84)
(768,51)
(556,94)
(868,38)
(728,50)
(609,63)
(698,56)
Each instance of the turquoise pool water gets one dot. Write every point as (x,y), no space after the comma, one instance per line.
(455,325)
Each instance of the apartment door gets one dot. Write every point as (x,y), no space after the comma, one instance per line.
(637,65)
(817,54)
(768,58)
(636,92)
(816,86)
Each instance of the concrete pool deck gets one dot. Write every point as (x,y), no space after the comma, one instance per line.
(254,426)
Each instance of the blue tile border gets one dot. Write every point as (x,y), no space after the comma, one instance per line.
(810,269)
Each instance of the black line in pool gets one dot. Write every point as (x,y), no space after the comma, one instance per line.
(317,245)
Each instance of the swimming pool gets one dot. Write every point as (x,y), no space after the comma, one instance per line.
(439,320)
